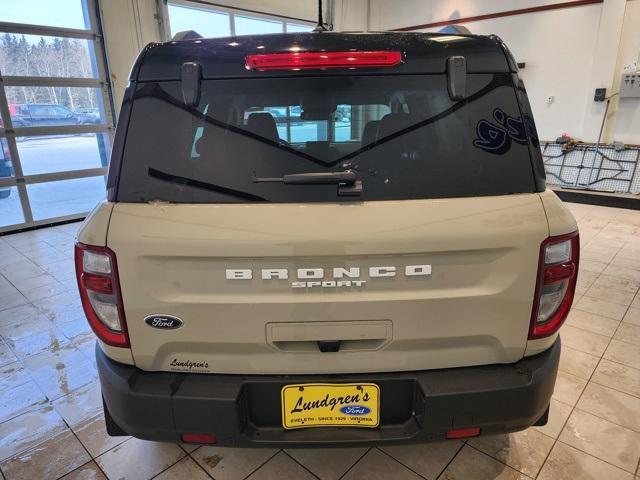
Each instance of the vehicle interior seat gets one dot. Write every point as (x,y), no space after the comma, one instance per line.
(264,125)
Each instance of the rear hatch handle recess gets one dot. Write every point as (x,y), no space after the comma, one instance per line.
(349,181)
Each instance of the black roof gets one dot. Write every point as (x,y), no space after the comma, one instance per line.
(225,57)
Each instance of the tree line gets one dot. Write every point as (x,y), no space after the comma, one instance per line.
(26,55)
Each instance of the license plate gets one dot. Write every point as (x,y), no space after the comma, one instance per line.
(330,405)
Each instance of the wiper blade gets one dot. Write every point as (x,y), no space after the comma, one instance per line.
(348,181)
(190,182)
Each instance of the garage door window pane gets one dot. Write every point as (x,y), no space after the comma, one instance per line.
(61,153)
(254,26)
(52,13)
(206,22)
(45,56)
(65,197)
(54,106)
(295,27)
(6,165)
(10,207)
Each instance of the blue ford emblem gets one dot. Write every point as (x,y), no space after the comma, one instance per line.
(163,322)
(355,410)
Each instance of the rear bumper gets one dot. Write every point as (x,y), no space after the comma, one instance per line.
(245,410)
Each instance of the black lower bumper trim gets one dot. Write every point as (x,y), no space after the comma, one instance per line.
(245,410)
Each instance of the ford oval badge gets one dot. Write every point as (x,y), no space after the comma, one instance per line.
(355,410)
(163,322)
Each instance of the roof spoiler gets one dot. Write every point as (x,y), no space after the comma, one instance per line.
(186,35)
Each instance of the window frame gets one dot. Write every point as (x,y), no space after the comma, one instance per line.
(165,21)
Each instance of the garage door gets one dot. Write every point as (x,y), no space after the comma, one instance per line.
(56,119)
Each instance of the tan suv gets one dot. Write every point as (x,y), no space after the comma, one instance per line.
(399,275)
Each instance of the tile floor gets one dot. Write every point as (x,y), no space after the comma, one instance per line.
(50,410)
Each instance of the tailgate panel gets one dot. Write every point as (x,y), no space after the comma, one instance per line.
(473,308)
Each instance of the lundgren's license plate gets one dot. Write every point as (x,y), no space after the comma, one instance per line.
(330,405)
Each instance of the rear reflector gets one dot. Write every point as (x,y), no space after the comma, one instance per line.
(556,284)
(463,432)
(198,438)
(97,275)
(320,60)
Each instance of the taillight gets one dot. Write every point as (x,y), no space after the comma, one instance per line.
(319,60)
(97,274)
(556,284)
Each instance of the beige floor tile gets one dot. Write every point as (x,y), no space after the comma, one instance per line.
(62,371)
(620,271)
(6,355)
(567,463)
(470,464)
(623,352)
(139,459)
(601,307)
(93,435)
(376,465)
(81,405)
(602,439)
(29,430)
(632,316)
(558,414)
(592,322)
(31,336)
(279,467)
(585,280)
(594,266)
(636,301)
(524,451)
(88,471)
(185,469)
(583,340)
(614,289)
(327,463)
(577,363)
(52,459)
(20,399)
(628,332)
(617,376)
(13,375)
(15,316)
(231,463)
(428,460)
(568,388)
(612,405)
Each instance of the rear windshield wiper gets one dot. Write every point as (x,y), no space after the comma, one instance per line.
(348,181)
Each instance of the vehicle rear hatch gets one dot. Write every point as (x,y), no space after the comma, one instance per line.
(432,264)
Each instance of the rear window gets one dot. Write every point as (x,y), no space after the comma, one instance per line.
(402,134)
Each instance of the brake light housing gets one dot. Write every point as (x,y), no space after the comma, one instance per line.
(555,284)
(323,60)
(99,287)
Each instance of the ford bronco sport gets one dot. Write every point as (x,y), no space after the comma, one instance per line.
(258,279)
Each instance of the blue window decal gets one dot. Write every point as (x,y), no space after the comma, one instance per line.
(497,137)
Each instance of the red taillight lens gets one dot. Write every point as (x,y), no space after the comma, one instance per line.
(319,60)
(556,284)
(198,438)
(463,432)
(97,274)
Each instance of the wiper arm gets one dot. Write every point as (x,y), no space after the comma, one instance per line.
(348,181)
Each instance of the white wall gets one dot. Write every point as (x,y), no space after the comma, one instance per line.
(568,53)
(128,25)
(623,123)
